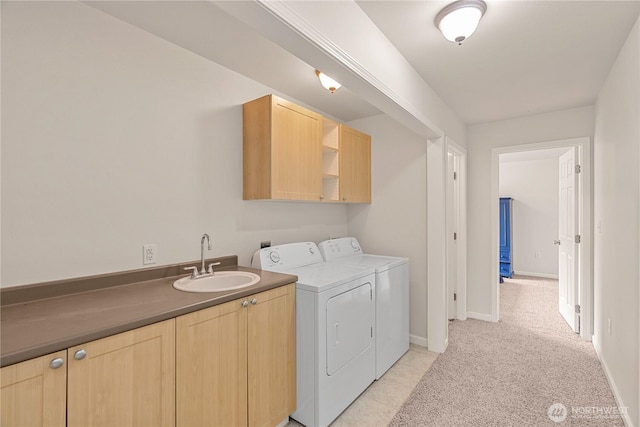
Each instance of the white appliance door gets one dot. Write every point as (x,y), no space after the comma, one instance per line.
(349,326)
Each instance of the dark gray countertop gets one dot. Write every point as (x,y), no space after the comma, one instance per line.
(38,327)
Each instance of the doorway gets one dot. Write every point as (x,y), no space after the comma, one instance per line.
(541,254)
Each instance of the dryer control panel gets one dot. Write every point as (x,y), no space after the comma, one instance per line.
(340,248)
(286,257)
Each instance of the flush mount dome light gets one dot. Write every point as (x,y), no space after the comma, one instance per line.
(460,19)
(328,83)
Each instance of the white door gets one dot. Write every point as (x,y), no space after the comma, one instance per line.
(452,250)
(567,274)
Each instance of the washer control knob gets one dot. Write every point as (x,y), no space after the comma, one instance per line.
(274,257)
(354,245)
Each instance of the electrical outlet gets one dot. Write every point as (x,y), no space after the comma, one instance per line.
(149,254)
(265,244)
(536,255)
(609,325)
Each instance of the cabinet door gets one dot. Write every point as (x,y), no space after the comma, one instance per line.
(211,366)
(271,356)
(296,157)
(355,166)
(124,380)
(34,392)
(506,252)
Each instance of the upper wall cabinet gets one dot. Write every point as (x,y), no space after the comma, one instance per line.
(282,150)
(355,166)
(291,153)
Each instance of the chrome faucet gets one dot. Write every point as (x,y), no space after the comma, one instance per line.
(204,236)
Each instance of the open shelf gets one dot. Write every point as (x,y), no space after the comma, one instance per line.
(330,160)
(330,188)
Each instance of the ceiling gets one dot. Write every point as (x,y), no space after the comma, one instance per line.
(526,57)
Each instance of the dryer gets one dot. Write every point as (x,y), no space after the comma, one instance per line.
(335,320)
(392,296)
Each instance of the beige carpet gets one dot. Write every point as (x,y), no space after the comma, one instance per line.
(509,373)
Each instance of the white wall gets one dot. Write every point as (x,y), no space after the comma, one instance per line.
(113,138)
(481,139)
(533,185)
(395,223)
(616,213)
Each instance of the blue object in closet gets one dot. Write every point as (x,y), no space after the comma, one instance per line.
(506,257)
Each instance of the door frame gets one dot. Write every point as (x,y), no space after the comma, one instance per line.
(585,250)
(437,319)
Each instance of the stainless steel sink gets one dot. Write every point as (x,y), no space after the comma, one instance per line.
(218,282)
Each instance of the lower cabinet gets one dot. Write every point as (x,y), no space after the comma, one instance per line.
(124,380)
(229,365)
(271,356)
(34,393)
(235,362)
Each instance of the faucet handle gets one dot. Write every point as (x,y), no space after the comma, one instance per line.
(194,272)
(210,270)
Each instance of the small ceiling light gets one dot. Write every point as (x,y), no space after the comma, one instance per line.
(460,19)
(328,83)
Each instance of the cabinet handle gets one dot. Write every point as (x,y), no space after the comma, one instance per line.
(56,363)
(344,198)
(321,197)
(245,303)
(556,242)
(80,354)
(254,301)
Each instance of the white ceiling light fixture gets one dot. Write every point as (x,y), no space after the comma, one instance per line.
(459,20)
(328,83)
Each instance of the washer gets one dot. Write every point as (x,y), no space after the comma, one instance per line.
(392,296)
(335,319)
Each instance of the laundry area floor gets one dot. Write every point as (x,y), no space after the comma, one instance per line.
(378,404)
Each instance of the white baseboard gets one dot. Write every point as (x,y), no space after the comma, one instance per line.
(479,316)
(421,341)
(612,384)
(543,275)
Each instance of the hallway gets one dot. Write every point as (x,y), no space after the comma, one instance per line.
(525,370)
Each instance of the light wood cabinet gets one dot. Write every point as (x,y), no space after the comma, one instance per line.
(34,392)
(211,366)
(282,153)
(229,365)
(236,362)
(355,166)
(124,380)
(291,153)
(271,349)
